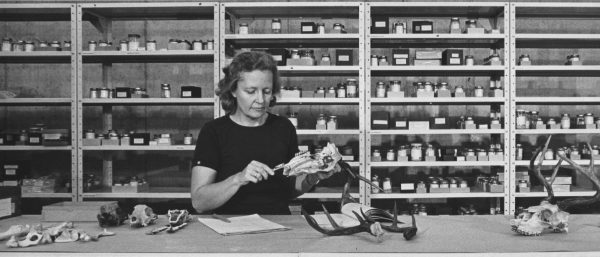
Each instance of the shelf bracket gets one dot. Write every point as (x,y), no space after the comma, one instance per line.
(99,22)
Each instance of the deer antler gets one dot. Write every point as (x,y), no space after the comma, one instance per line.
(374,228)
(537,170)
(591,175)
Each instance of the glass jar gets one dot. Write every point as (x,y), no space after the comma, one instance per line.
(469,121)
(104,92)
(573,151)
(341,91)
(294,54)
(589,119)
(399,28)
(402,151)
(469,60)
(533,117)
(210,45)
(519,152)
(133,42)
(443,86)
(454,24)
(92,45)
(383,60)
(470,152)
(463,184)
(471,23)
(595,150)
(434,184)
(331,90)
(52,44)
(375,180)
(29,46)
(416,154)
(428,87)
(481,152)
(102,43)
(549,155)
(351,88)
(123,44)
(374,60)
(188,139)
(562,151)
(580,121)
(459,89)
(332,123)
(524,58)
(573,58)
(294,119)
(90,134)
(320,90)
(276,26)
(387,185)
(243,30)
(93,93)
(395,86)
(495,57)
(380,90)
(325,58)
(6,44)
(150,45)
(18,46)
(321,120)
(523,183)
(565,121)
(112,135)
(522,119)
(24,136)
(165,90)
(551,121)
(338,27)
(197,45)
(444,184)
(539,123)
(376,156)
(391,155)
(478,92)
(321,28)
(308,54)
(430,151)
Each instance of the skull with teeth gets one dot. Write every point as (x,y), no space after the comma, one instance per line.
(551,214)
(142,216)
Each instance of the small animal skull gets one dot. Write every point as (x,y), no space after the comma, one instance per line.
(142,216)
(534,220)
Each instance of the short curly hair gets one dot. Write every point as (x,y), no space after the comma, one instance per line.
(245,62)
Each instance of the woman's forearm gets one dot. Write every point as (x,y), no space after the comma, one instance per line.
(305,182)
(211,196)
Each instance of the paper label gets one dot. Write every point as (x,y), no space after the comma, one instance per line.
(405,56)
(400,124)
(440,120)
(11,166)
(5,207)
(10,172)
(400,61)
(277,57)
(455,55)
(122,94)
(380,24)
(380,122)
(186,93)
(307,28)
(138,140)
(34,140)
(454,61)
(344,58)
(407,186)
(426,27)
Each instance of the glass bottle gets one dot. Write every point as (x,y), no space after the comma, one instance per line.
(134,42)
(276,26)
(165,90)
(351,88)
(565,121)
(332,123)
(416,154)
(454,25)
(380,90)
(243,29)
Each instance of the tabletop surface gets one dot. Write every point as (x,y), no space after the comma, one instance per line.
(436,234)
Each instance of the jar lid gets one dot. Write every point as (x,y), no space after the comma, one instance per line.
(325,55)
(165,85)
(469,56)
(276,20)
(99,41)
(524,55)
(133,35)
(89,42)
(243,24)
(53,42)
(150,41)
(28,42)
(454,19)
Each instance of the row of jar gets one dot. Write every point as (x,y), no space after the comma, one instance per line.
(427,152)
(323,122)
(349,89)
(531,120)
(572,59)
(8,45)
(469,60)
(305,28)
(380,25)
(32,136)
(112,137)
(574,152)
(133,44)
(138,92)
(441,89)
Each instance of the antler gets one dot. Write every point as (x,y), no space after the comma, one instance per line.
(375,215)
(373,228)
(591,175)
(539,157)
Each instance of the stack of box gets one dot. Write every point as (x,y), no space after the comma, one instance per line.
(428,58)
(560,184)
(380,120)
(11,174)
(39,185)
(400,56)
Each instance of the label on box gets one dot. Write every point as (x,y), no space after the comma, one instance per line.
(400,61)
(401,124)
(344,58)
(121,94)
(8,166)
(186,93)
(307,28)
(52,136)
(11,172)
(277,58)
(454,61)
(380,122)
(426,27)
(138,140)
(405,56)
(380,24)
(5,207)
(440,120)
(407,186)
(34,140)
(347,158)
(455,55)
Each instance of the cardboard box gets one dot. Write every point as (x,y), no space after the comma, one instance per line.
(460,190)
(407,187)
(427,62)
(289,93)
(73,211)
(439,190)
(400,61)
(380,25)
(428,55)
(139,139)
(92,142)
(475,31)
(280,55)
(420,27)
(56,137)
(495,126)
(380,120)
(105,141)
(496,188)
(343,57)
(123,92)
(180,45)
(470,126)
(308,27)
(191,92)
(10,201)
(452,57)
(425,94)
(127,188)
(418,125)
(495,158)
(400,123)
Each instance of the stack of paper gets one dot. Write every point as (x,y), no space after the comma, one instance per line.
(250,224)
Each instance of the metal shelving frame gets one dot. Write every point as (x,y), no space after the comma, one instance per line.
(541,40)
(106,13)
(46,12)
(306,9)
(490,10)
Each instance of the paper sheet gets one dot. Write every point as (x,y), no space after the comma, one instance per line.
(250,224)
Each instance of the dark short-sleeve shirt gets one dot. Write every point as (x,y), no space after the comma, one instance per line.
(228,148)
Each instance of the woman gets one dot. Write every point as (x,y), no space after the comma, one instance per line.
(236,152)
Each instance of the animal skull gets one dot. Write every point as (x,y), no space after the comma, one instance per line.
(534,220)
(306,163)
(142,216)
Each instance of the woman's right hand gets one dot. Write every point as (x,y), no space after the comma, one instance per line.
(254,172)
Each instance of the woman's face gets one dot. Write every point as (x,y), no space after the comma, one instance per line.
(253,93)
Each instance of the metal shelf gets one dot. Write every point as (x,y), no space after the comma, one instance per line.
(35,101)
(36,57)
(46,195)
(554,162)
(149,101)
(578,192)
(158,11)
(572,10)
(439,100)
(169,56)
(140,148)
(435,195)
(435,164)
(328,132)
(458,70)
(35,12)
(437,40)
(558,70)
(437,132)
(34,148)
(534,40)
(263,10)
(438,9)
(319,70)
(329,193)
(555,100)
(556,131)
(318,101)
(294,40)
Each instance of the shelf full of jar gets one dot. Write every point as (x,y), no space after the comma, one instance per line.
(436,131)
(47,195)
(438,100)
(318,70)
(242,40)
(36,57)
(562,100)
(34,148)
(434,195)
(148,56)
(39,101)
(438,38)
(437,163)
(149,101)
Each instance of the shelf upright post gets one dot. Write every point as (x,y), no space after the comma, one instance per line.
(512,111)
(221,61)
(366,100)
(361,104)
(217,32)
(75,104)
(77,184)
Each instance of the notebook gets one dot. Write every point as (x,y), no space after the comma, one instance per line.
(250,224)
